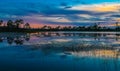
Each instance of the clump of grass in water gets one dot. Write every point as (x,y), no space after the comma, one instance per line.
(73,46)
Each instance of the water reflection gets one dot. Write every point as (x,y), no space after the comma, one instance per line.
(61,51)
(80,34)
(76,49)
(81,56)
(12,38)
(95,51)
(20,38)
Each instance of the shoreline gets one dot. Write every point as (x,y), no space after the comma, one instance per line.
(33,30)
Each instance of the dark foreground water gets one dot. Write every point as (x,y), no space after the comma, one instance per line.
(60,51)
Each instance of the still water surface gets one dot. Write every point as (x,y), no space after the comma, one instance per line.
(60,51)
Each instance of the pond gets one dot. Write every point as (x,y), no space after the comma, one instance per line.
(60,51)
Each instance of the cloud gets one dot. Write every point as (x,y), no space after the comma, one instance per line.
(102,7)
(62,12)
(116,15)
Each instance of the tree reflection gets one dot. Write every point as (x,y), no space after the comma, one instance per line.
(96,36)
(1,40)
(17,39)
(27,37)
(10,40)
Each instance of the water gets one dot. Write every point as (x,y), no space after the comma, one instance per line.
(60,51)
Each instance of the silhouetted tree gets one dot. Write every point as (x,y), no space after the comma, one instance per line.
(70,27)
(57,28)
(117,26)
(95,26)
(27,26)
(17,23)
(1,22)
(21,22)
(10,24)
(49,27)
(44,27)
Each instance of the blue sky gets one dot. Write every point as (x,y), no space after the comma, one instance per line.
(61,12)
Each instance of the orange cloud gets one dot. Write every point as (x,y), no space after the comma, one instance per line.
(108,7)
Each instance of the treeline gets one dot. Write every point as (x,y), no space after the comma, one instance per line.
(95,27)
(20,26)
(14,26)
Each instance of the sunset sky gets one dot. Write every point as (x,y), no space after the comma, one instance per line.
(61,12)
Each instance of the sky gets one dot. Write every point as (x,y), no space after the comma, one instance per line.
(62,12)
